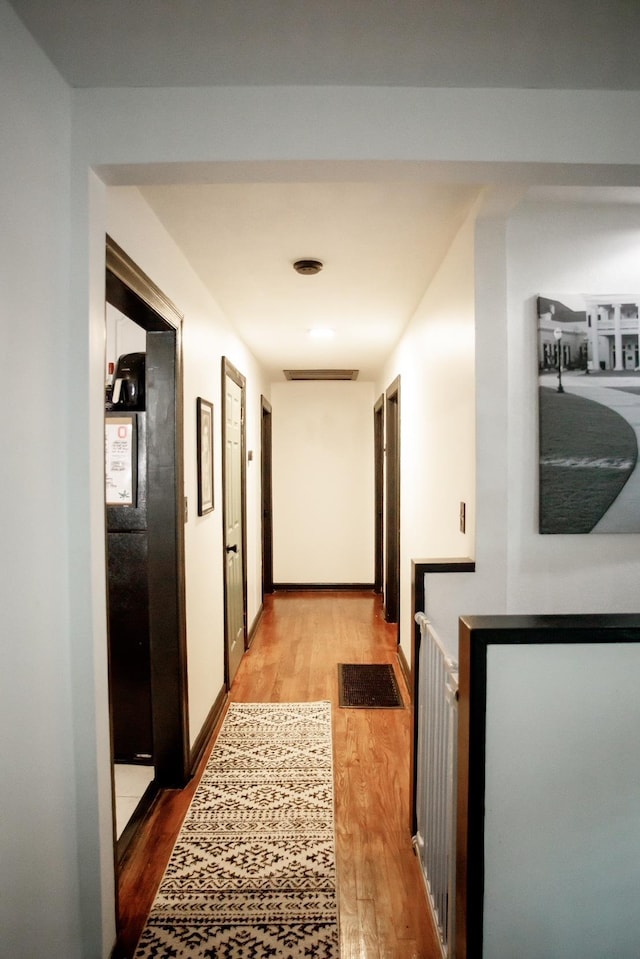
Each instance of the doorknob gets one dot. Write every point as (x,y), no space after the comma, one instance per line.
(232,549)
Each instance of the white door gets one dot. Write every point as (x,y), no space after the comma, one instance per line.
(234,586)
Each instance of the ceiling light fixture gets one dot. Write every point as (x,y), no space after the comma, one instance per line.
(322,332)
(308,267)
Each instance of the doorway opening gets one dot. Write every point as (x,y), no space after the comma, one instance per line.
(266,496)
(145,542)
(378,492)
(392,505)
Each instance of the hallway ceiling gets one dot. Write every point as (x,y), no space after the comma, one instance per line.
(567,44)
(380,244)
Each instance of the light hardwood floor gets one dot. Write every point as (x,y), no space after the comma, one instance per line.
(301,638)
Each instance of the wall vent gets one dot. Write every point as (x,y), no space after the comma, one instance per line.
(321,374)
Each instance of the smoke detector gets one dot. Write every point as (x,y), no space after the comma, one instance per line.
(308,267)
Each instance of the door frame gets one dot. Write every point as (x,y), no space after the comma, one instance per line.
(266,495)
(131,291)
(378,492)
(229,370)
(392,504)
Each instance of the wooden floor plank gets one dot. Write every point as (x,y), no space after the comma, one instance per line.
(301,638)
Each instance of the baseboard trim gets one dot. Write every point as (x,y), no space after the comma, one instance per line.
(254,626)
(142,810)
(405,669)
(301,587)
(199,746)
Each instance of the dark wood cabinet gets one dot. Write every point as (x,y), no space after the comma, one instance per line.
(128,592)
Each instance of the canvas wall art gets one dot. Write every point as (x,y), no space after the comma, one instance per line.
(589,413)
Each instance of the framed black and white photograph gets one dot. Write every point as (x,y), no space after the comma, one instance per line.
(589,413)
(205,456)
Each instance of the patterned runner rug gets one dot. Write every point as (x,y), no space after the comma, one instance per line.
(252,873)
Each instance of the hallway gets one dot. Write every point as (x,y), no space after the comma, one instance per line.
(301,638)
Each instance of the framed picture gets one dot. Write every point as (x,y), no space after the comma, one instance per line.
(589,413)
(120,460)
(205,456)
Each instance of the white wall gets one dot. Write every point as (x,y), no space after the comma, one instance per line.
(323,474)
(39,912)
(448,596)
(487,128)
(586,249)
(561,804)
(579,747)
(435,362)
(206,337)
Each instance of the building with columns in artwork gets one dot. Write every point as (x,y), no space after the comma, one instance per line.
(591,332)
(561,329)
(613,326)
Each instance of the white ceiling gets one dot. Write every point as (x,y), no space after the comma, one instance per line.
(570,44)
(380,242)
